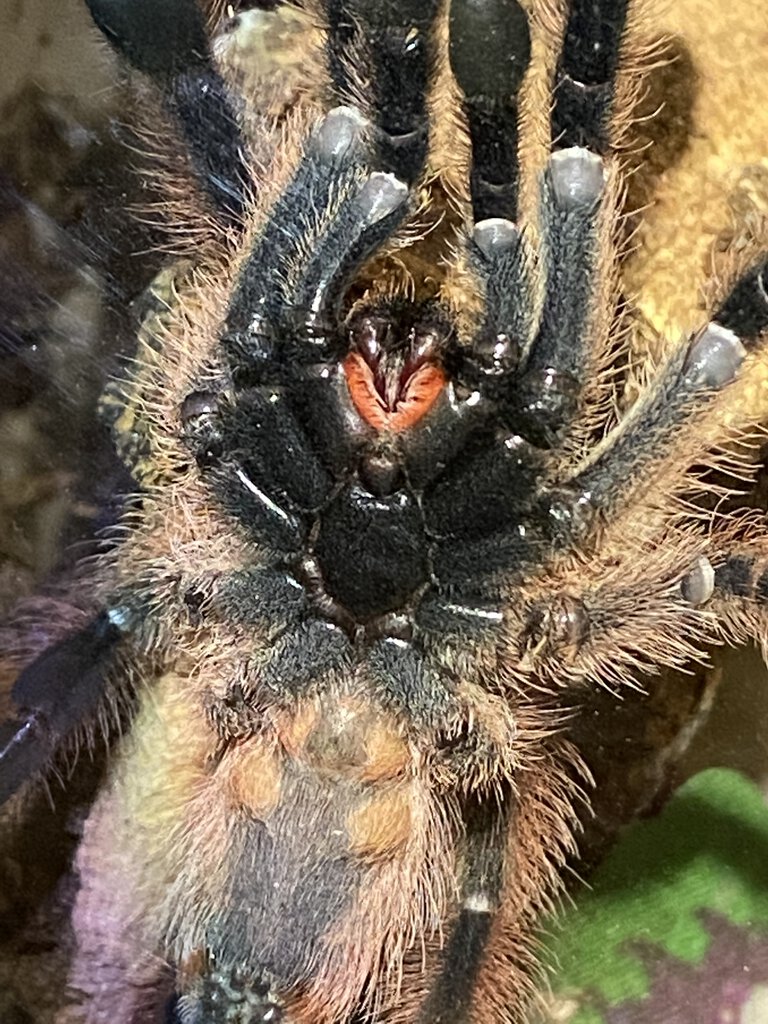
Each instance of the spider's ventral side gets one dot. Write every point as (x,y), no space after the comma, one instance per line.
(403,506)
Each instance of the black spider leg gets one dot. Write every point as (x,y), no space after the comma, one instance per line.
(285,324)
(735,589)
(380,56)
(56,695)
(468,511)
(536,362)
(452,995)
(332,215)
(168,42)
(742,575)
(561,361)
(490,50)
(691,378)
(576,219)
(585,81)
(738,586)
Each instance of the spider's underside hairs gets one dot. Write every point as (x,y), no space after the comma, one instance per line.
(395,541)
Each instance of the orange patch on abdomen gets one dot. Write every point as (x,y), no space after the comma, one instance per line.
(387,753)
(417,397)
(380,827)
(255,777)
(353,740)
(294,726)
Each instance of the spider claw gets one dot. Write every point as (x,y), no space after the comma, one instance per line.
(699,584)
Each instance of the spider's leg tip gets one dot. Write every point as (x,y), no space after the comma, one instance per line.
(714,356)
(339,134)
(381,195)
(699,584)
(495,235)
(577,177)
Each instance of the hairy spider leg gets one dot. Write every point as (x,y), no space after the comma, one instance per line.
(380,58)
(333,214)
(740,582)
(452,996)
(490,50)
(560,367)
(686,387)
(58,696)
(585,81)
(745,310)
(579,195)
(169,43)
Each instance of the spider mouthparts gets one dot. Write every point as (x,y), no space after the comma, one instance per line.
(393,383)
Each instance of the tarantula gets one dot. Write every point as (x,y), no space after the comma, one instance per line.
(398,518)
